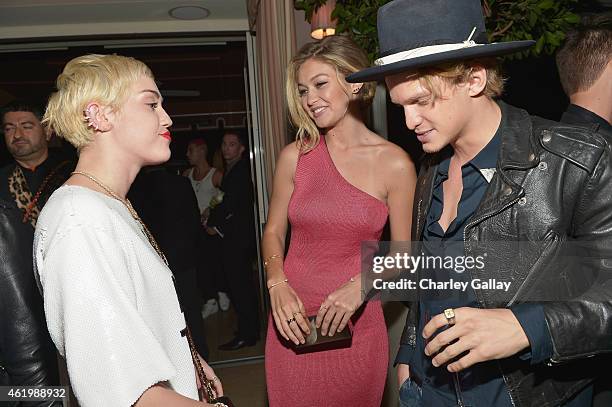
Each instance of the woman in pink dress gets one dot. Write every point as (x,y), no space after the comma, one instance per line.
(336,186)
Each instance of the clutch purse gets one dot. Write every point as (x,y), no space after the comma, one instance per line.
(316,341)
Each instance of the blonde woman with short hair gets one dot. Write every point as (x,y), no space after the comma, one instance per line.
(109,296)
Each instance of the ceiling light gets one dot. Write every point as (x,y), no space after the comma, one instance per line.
(189,13)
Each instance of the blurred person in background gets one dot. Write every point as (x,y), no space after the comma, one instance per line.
(233,220)
(205,181)
(585,70)
(36,171)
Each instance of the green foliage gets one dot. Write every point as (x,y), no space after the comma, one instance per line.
(544,21)
(358,19)
(309,6)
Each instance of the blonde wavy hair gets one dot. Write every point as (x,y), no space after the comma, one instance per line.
(455,73)
(105,79)
(346,57)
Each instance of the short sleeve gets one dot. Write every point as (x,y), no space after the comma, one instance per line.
(93,318)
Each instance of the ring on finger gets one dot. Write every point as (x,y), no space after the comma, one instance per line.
(449,314)
(290,320)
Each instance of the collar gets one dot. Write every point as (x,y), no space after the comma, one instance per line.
(575,114)
(47,163)
(516,149)
(487,157)
(485,161)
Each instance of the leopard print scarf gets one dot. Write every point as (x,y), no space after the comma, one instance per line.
(31,204)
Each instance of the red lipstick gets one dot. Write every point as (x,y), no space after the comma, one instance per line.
(166,135)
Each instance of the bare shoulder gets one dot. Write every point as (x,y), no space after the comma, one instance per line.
(290,151)
(392,158)
(288,158)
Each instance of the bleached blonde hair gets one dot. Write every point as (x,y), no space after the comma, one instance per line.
(455,73)
(105,79)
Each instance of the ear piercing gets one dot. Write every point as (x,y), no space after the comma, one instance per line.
(89,118)
(91,123)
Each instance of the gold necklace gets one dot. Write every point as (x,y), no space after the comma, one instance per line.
(130,209)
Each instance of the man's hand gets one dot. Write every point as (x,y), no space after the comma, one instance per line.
(403,373)
(487,334)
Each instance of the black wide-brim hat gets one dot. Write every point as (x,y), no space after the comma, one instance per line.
(416,34)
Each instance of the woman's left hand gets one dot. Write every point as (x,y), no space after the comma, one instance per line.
(339,307)
(210,374)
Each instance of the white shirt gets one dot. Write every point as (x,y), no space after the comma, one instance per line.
(110,302)
(204,189)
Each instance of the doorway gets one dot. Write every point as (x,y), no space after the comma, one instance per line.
(208,84)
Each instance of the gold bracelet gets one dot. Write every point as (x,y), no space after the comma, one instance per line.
(277,283)
(267,260)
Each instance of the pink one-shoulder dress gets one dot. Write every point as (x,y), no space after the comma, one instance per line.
(329,219)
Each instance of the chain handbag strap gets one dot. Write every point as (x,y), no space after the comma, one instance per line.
(209,393)
(207,385)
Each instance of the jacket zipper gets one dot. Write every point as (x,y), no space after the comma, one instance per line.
(490,215)
(506,382)
(418,217)
(472,223)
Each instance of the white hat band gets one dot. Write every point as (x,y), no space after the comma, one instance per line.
(423,51)
(428,50)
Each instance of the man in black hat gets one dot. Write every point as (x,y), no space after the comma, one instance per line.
(527,196)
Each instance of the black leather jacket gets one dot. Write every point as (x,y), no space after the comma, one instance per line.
(27,355)
(553,183)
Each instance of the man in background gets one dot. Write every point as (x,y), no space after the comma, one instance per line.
(35,171)
(27,355)
(233,220)
(585,69)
